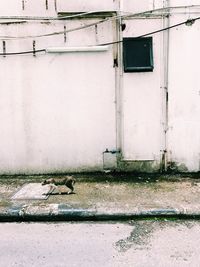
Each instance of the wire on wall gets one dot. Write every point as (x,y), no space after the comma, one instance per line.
(82,14)
(157,31)
(109,43)
(23,52)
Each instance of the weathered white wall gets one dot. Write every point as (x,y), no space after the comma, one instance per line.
(140,6)
(50,7)
(183,2)
(184,95)
(143,128)
(84,5)
(142,101)
(60,112)
(57,110)
(27,8)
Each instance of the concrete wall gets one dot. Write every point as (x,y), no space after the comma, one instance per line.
(184,94)
(142,102)
(84,5)
(57,110)
(61,111)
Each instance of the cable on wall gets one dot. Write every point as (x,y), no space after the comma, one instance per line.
(110,43)
(82,14)
(129,15)
(157,31)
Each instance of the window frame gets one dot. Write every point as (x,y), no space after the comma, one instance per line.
(135,68)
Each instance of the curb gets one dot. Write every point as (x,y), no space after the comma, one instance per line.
(62,212)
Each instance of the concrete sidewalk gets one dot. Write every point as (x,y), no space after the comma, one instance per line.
(105,197)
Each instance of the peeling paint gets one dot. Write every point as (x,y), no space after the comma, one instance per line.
(23,4)
(96,33)
(55,5)
(45,22)
(46,4)
(176,167)
(139,166)
(4,47)
(34,48)
(65,34)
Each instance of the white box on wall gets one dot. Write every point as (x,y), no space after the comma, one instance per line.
(85,5)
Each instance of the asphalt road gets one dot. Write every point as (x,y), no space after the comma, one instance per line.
(135,243)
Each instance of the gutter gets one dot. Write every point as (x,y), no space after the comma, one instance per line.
(64,213)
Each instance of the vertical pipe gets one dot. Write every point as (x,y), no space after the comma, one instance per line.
(166,23)
(118,86)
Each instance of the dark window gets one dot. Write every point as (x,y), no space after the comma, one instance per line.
(138,54)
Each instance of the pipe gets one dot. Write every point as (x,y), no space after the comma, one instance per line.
(76,49)
(166,24)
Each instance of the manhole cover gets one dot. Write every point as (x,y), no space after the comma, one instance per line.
(32,191)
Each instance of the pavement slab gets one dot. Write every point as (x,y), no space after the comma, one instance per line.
(100,198)
(32,191)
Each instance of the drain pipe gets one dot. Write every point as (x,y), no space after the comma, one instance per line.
(166,23)
(119,88)
(112,157)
